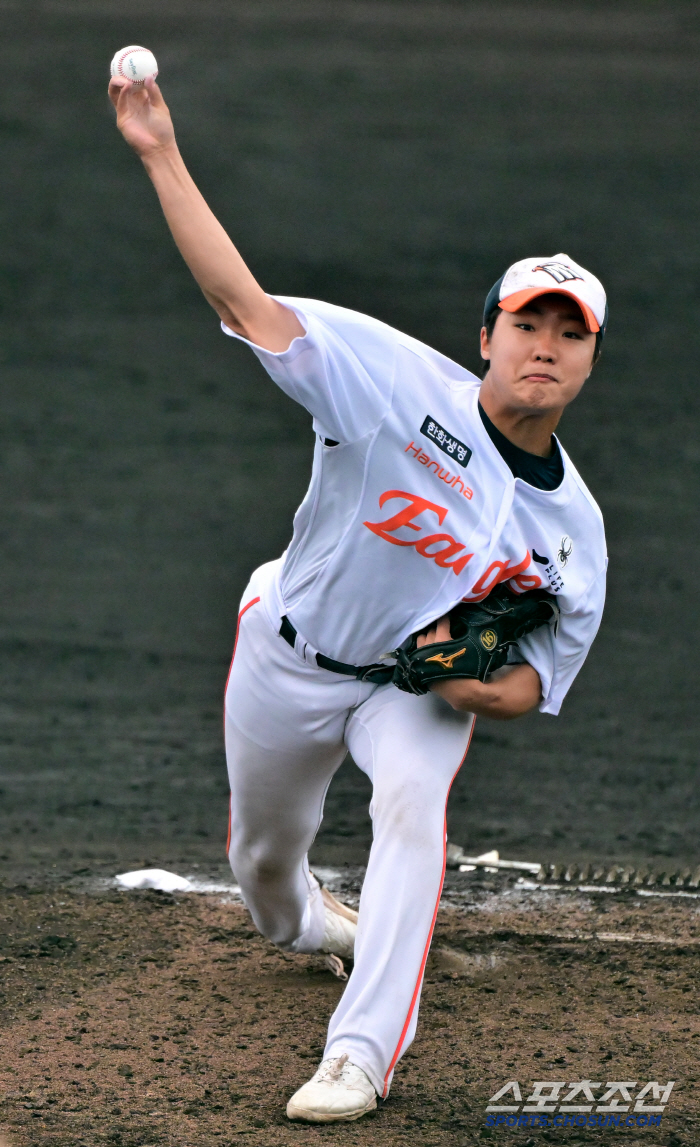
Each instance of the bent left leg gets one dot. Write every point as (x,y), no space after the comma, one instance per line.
(411,748)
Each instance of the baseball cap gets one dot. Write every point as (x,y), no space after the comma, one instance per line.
(558,274)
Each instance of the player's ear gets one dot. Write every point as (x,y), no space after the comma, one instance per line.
(485,344)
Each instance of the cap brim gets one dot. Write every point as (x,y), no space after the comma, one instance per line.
(520,299)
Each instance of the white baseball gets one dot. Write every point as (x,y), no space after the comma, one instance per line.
(134,63)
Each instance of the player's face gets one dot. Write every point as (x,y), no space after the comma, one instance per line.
(539,356)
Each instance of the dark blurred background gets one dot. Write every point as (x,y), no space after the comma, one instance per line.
(385,155)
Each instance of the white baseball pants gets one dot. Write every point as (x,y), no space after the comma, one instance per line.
(288,727)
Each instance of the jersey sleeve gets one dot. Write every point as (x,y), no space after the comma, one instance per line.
(341,369)
(558,658)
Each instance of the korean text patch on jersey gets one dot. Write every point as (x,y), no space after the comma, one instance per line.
(445,441)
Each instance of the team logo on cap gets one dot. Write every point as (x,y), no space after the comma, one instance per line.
(559,271)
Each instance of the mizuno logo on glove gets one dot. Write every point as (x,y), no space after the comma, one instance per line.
(447,661)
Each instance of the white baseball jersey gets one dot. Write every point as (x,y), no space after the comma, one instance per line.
(414,509)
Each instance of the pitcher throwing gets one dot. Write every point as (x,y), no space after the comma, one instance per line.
(429,489)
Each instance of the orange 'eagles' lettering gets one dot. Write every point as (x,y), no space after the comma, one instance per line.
(449,547)
(445,550)
(504,571)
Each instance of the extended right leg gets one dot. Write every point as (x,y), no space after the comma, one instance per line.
(285,722)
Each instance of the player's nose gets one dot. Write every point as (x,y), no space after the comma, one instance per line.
(544,350)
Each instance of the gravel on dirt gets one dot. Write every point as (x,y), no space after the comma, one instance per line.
(147,1018)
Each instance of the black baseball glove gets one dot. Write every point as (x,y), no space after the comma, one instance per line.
(481,634)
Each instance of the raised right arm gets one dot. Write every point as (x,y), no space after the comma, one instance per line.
(236,296)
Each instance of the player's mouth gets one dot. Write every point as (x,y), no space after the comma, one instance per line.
(537,377)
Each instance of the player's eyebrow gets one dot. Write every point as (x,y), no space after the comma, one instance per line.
(569,317)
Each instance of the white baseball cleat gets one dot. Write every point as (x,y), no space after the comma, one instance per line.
(339,1092)
(341,927)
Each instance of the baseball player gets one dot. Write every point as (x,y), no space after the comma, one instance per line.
(429,488)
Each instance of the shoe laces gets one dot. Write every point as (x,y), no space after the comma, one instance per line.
(334,1070)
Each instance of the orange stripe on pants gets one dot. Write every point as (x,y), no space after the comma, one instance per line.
(419,980)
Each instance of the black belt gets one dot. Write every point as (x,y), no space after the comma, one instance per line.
(377,674)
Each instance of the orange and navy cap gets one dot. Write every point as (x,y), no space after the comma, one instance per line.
(559,275)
